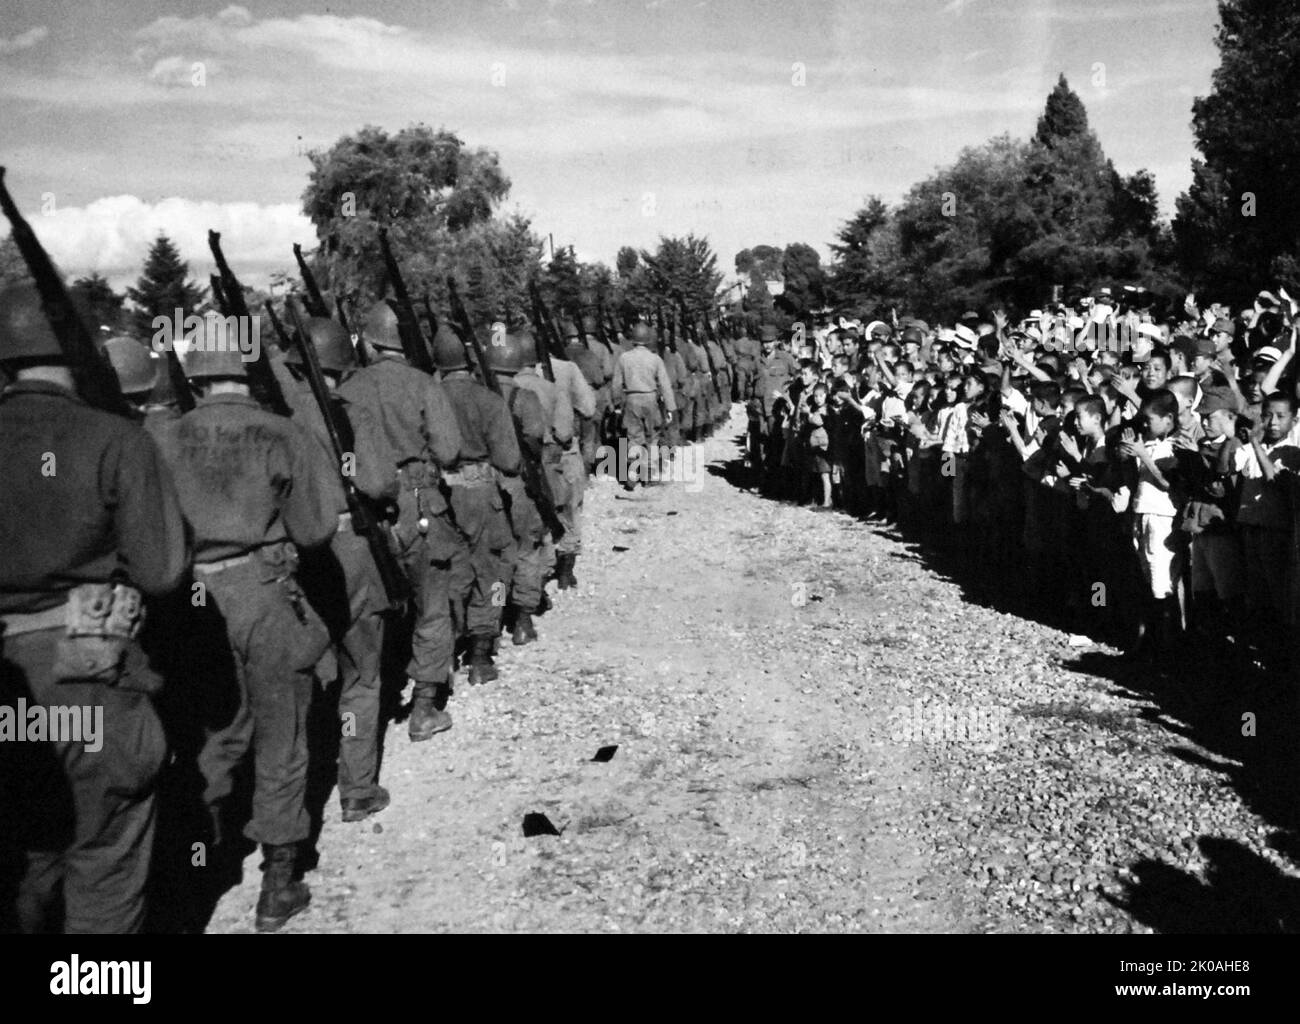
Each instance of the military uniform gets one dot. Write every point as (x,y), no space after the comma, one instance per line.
(640,384)
(481,571)
(342,580)
(528,555)
(418,436)
(573,389)
(87,500)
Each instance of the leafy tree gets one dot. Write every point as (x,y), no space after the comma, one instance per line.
(163,287)
(425,186)
(1237,227)
(805,280)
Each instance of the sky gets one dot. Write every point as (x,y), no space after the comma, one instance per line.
(618,121)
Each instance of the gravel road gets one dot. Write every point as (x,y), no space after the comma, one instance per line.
(815,731)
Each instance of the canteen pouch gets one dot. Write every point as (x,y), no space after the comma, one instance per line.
(102,620)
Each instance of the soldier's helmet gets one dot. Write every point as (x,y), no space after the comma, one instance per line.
(136,367)
(511,350)
(768,334)
(333,347)
(380,328)
(569,331)
(642,334)
(24,331)
(213,352)
(448,352)
(588,324)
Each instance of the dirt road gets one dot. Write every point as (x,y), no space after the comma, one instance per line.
(775,680)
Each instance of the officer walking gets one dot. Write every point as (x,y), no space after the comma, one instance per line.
(640,385)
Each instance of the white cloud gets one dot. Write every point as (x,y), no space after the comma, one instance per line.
(112,235)
(24,40)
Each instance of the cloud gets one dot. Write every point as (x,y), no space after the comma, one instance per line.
(112,235)
(24,40)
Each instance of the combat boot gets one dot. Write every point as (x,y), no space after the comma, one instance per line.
(481,668)
(359,808)
(564,577)
(524,633)
(427,719)
(282,895)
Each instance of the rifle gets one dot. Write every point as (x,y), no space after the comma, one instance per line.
(218,296)
(414,344)
(315,301)
(536,484)
(261,380)
(602,333)
(430,317)
(362,358)
(397,587)
(708,355)
(285,342)
(543,330)
(92,375)
(659,325)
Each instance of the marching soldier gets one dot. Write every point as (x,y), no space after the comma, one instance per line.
(572,388)
(693,414)
(516,349)
(488,449)
(253,485)
(721,395)
(354,611)
(418,437)
(641,384)
(597,366)
(559,412)
(89,520)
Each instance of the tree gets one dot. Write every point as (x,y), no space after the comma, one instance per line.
(805,280)
(1064,116)
(13,268)
(855,271)
(163,288)
(425,186)
(102,305)
(1237,225)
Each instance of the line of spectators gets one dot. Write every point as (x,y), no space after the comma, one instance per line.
(1138,472)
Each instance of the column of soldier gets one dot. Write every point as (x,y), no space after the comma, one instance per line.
(207,541)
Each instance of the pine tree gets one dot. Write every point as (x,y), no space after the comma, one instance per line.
(96,297)
(163,287)
(1238,227)
(1064,117)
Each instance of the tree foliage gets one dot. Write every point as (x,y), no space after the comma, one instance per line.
(163,287)
(1238,226)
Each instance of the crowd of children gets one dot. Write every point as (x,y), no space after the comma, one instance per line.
(1137,470)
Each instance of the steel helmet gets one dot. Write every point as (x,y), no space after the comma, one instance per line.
(380,328)
(136,367)
(24,329)
(448,353)
(589,325)
(642,334)
(510,351)
(333,347)
(214,351)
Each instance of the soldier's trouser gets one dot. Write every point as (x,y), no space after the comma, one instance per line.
(590,428)
(480,569)
(70,816)
(575,477)
(359,651)
(426,556)
(527,555)
(641,421)
(276,639)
